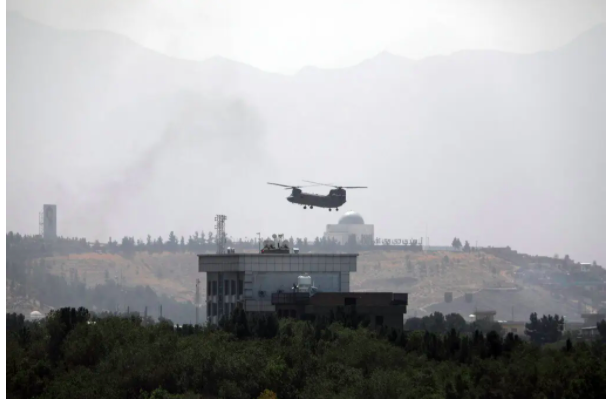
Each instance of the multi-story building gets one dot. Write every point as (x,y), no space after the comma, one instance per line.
(351,224)
(250,279)
(281,280)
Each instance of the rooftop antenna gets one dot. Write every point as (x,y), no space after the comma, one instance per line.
(220,236)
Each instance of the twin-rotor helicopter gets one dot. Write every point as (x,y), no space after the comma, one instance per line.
(335,199)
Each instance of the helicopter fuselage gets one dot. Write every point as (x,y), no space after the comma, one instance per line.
(335,199)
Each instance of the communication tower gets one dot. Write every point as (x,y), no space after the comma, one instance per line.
(220,236)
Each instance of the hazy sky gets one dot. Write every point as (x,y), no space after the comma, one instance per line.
(506,149)
(284,36)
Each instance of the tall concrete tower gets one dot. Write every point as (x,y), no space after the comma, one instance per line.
(48,222)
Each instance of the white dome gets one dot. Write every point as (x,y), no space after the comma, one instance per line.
(351,218)
(36,314)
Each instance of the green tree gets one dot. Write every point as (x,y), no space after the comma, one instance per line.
(548,329)
(455,321)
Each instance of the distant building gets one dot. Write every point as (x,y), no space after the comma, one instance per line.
(589,333)
(514,328)
(351,223)
(425,247)
(593,319)
(250,279)
(48,222)
(485,315)
(292,284)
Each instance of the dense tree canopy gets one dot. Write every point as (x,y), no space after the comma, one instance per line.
(73,354)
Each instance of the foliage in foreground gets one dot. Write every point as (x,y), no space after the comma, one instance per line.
(69,356)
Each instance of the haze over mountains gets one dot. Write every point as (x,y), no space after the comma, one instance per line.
(501,148)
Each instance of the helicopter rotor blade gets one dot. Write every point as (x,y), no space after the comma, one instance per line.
(281,185)
(333,185)
(287,187)
(321,184)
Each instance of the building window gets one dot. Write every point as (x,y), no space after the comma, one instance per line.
(208,288)
(240,288)
(233,287)
(208,310)
(214,313)
(226,287)
(214,288)
(379,320)
(350,301)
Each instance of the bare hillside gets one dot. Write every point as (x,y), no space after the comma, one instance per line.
(426,276)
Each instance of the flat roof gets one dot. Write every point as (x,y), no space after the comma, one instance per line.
(281,255)
(322,262)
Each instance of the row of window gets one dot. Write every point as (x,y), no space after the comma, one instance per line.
(227,309)
(229,288)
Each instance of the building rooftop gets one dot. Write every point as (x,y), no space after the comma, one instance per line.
(325,262)
(306,255)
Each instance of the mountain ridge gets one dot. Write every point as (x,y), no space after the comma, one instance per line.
(595,32)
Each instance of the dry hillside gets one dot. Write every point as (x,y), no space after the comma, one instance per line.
(426,277)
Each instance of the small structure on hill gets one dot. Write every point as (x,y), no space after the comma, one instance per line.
(488,315)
